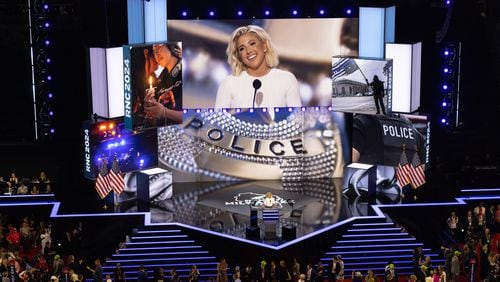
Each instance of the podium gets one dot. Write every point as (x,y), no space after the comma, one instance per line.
(270,219)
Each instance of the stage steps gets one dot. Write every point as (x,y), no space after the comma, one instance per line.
(165,246)
(370,243)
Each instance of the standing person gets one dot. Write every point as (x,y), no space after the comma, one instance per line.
(255,80)
(340,275)
(333,269)
(163,103)
(142,274)
(222,270)
(247,274)
(194,274)
(296,269)
(96,271)
(119,274)
(378,93)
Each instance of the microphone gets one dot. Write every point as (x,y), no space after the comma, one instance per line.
(256,85)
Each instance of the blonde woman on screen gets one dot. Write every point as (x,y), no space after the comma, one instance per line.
(255,82)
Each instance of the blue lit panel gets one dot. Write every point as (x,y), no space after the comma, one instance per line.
(371,32)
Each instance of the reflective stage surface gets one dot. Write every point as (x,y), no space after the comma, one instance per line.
(304,208)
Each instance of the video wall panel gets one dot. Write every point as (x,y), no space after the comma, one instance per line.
(104,141)
(304,61)
(282,143)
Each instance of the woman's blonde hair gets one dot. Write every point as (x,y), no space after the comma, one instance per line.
(233,59)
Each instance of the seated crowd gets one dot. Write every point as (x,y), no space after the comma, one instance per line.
(25,186)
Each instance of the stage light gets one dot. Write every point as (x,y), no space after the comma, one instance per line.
(446,70)
(240,13)
(448,2)
(316,108)
(48,60)
(444,104)
(211,13)
(303,109)
(141,162)
(51,113)
(267,12)
(210,110)
(184,13)
(321,12)
(46,7)
(294,12)
(198,111)
(443,120)
(49,77)
(102,127)
(52,130)
(330,109)
(251,110)
(348,11)
(47,42)
(122,142)
(264,110)
(277,109)
(238,110)
(51,95)
(185,111)
(290,110)
(445,86)
(46,25)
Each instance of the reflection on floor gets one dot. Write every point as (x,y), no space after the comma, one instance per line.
(304,208)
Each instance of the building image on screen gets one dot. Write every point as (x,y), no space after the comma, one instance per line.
(302,62)
(361,85)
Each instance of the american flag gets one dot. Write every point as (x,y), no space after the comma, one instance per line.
(344,66)
(102,182)
(403,171)
(116,178)
(417,173)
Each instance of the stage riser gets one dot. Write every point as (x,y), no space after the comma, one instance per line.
(162,246)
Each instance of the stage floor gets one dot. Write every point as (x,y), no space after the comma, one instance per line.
(305,208)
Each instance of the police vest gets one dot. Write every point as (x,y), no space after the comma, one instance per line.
(396,133)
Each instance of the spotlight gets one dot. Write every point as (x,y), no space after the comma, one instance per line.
(46,7)
(49,77)
(47,42)
(51,95)
(445,86)
(321,12)
(294,12)
(51,113)
(240,13)
(48,60)
(52,130)
(277,109)
(446,70)
(443,120)
(184,13)
(46,25)
(267,12)
(348,11)
(211,13)
(448,2)
(264,110)
(444,104)
(251,110)
(185,111)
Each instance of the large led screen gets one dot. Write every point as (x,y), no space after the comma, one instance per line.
(300,77)
(285,143)
(104,141)
(381,139)
(362,85)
